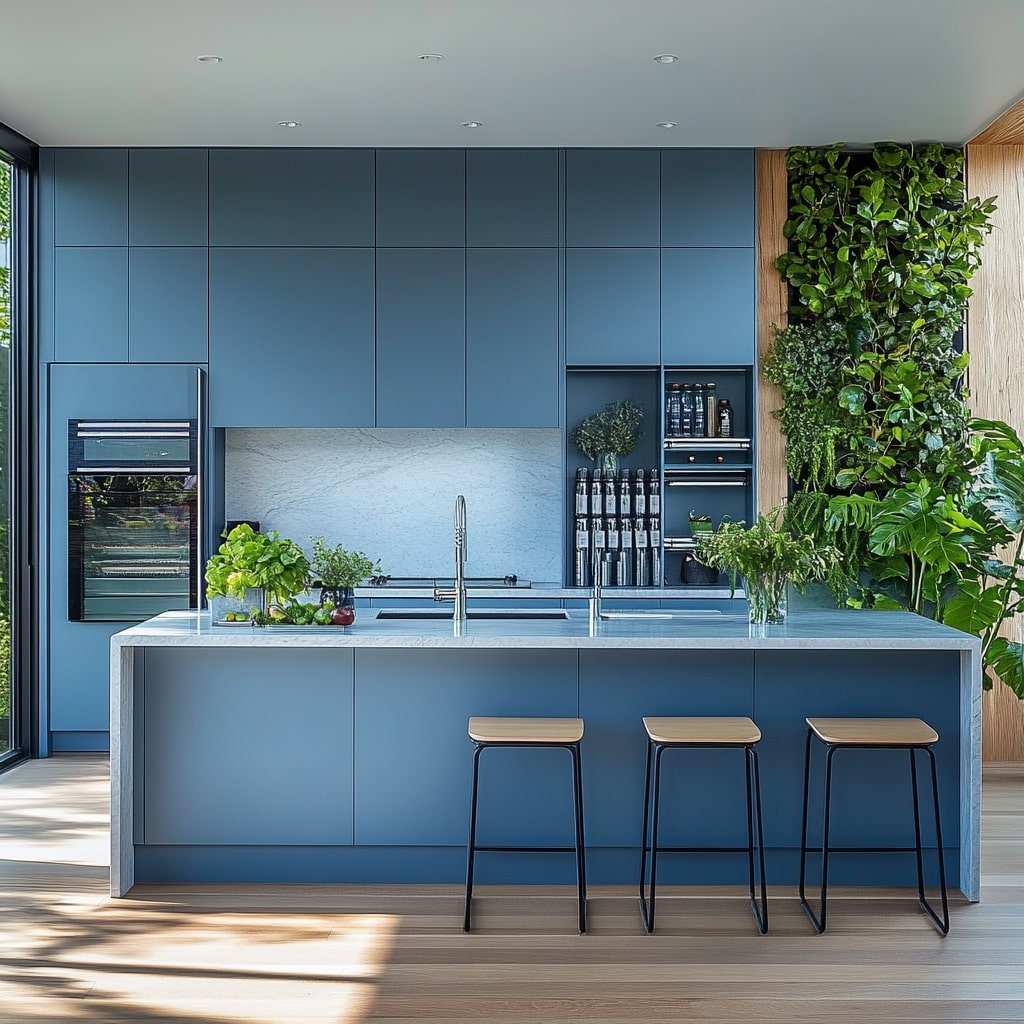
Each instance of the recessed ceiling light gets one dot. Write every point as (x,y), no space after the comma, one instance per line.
(431,56)
(472,124)
(209,58)
(666,124)
(666,58)
(289,124)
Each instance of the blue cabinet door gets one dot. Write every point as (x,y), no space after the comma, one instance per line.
(611,307)
(291,197)
(708,301)
(291,337)
(167,305)
(512,359)
(229,705)
(421,197)
(91,197)
(612,197)
(91,305)
(707,197)
(414,758)
(168,196)
(512,197)
(421,337)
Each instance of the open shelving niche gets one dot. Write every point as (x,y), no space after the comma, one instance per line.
(711,476)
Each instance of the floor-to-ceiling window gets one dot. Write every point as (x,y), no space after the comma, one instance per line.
(8,698)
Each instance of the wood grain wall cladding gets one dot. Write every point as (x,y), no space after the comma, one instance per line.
(1005,130)
(995,339)
(772,206)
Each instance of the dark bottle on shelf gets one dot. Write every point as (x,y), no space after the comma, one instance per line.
(698,411)
(640,494)
(654,536)
(724,418)
(687,403)
(596,494)
(654,495)
(581,564)
(610,497)
(673,411)
(641,542)
(625,494)
(624,570)
(582,492)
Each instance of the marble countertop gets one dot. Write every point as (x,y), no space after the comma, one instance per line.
(695,630)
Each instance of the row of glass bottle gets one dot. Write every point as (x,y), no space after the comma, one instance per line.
(694,410)
(617,528)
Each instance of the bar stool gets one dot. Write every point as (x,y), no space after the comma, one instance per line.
(910,734)
(530,732)
(696,733)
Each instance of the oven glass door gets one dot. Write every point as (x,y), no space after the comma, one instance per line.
(132,543)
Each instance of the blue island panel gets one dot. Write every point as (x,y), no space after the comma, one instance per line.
(414,758)
(247,747)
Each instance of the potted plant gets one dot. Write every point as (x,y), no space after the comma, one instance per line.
(338,572)
(768,556)
(262,562)
(608,434)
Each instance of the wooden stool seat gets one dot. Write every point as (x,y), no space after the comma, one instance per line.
(876,732)
(716,731)
(557,731)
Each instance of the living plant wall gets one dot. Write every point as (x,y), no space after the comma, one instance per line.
(884,459)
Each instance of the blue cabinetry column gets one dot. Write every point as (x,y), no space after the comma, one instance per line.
(91,304)
(708,197)
(512,197)
(167,304)
(611,307)
(708,305)
(421,337)
(168,200)
(291,337)
(512,357)
(612,197)
(421,197)
(91,197)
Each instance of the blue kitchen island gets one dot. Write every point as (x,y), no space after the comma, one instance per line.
(305,754)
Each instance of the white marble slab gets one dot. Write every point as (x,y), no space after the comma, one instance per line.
(391,493)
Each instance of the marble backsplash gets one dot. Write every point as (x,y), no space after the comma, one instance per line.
(391,493)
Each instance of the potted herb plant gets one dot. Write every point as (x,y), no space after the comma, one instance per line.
(768,556)
(609,434)
(251,566)
(338,572)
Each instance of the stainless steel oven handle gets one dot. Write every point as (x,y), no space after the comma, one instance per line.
(124,470)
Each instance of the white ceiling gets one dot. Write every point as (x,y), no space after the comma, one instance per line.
(762,73)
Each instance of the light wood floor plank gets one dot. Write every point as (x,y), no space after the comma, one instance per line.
(274,954)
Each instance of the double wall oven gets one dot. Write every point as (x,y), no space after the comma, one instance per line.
(134,511)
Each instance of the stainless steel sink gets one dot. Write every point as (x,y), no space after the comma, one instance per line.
(473,613)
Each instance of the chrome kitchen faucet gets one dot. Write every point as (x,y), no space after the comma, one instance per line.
(458,592)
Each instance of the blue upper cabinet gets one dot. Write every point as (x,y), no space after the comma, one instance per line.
(91,197)
(168,196)
(421,337)
(708,299)
(611,307)
(612,197)
(707,197)
(421,197)
(512,361)
(91,305)
(291,337)
(512,197)
(291,197)
(167,304)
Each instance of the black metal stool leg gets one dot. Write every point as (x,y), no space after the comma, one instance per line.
(941,922)
(754,805)
(581,862)
(471,846)
(803,835)
(644,847)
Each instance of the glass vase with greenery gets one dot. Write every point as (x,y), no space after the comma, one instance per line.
(768,557)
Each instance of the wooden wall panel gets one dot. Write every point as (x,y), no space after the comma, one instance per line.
(995,338)
(772,204)
(1005,130)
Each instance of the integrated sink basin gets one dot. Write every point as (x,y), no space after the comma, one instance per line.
(473,613)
